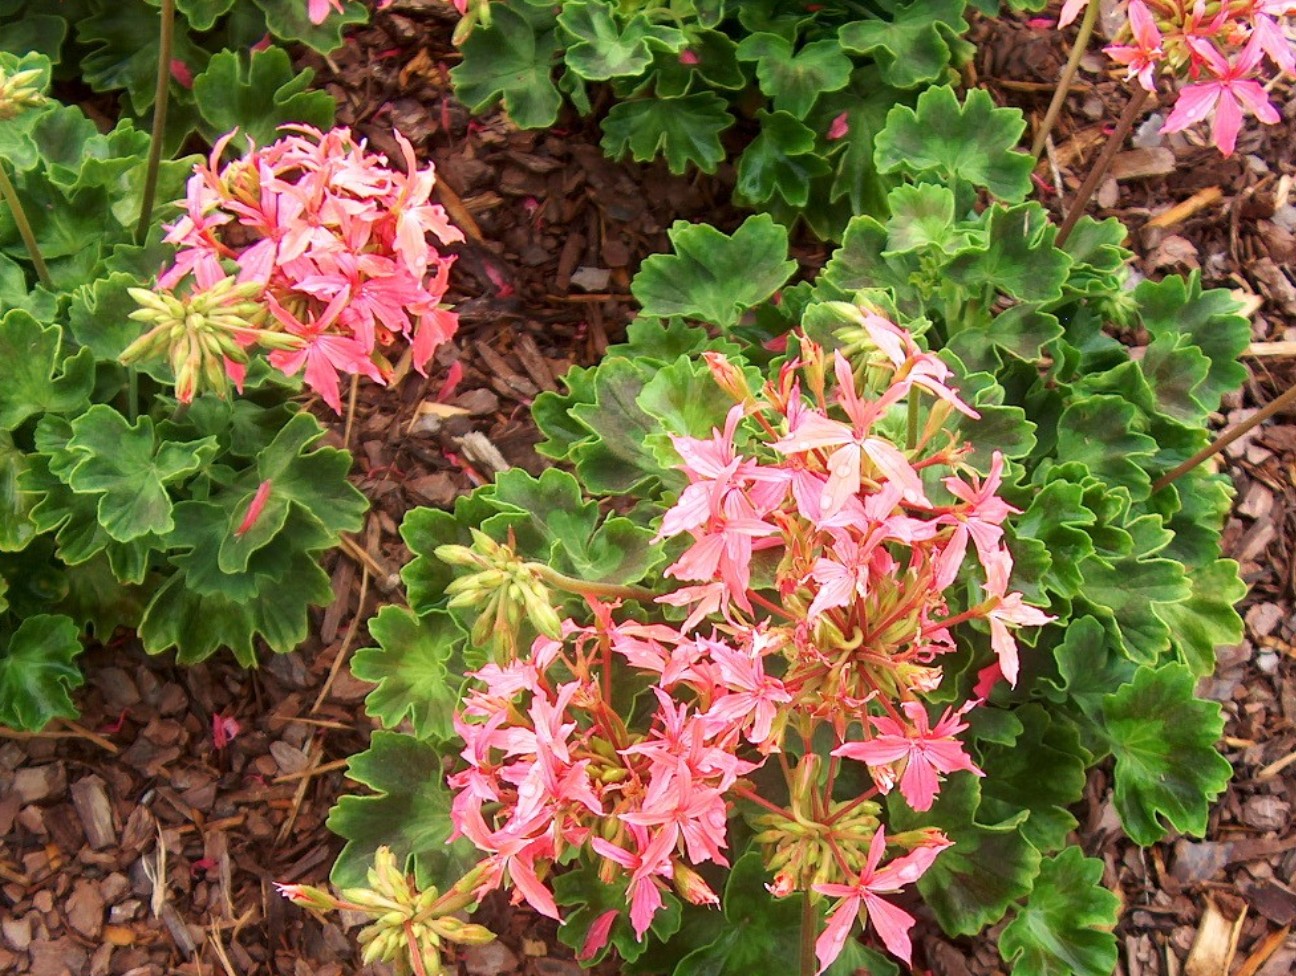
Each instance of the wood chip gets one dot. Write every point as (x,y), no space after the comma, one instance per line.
(90,796)
(1139,164)
(1217,937)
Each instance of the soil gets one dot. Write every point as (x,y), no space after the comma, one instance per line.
(132,844)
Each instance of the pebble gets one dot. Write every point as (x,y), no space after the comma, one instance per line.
(489,959)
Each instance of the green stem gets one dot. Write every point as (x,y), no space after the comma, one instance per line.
(1068,76)
(1228,437)
(809,932)
(24,228)
(612,591)
(132,393)
(911,435)
(159,119)
(1103,163)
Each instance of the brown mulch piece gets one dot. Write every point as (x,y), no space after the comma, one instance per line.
(131,845)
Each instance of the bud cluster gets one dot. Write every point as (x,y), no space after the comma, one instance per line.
(410,927)
(19,92)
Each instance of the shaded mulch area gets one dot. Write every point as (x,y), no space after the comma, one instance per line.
(93,815)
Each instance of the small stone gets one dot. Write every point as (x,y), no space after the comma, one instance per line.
(591,279)
(1266,813)
(40,782)
(17,932)
(85,909)
(489,960)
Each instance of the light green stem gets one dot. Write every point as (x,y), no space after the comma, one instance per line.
(612,591)
(1068,76)
(160,99)
(24,228)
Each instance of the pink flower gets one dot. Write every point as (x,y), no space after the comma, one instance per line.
(1227,95)
(224,731)
(1071,10)
(925,751)
(1145,54)
(839,127)
(980,523)
(1009,610)
(864,894)
(318,10)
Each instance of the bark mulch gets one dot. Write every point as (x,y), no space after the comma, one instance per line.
(132,843)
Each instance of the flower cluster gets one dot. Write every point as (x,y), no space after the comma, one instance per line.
(1225,49)
(818,561)
(327,241)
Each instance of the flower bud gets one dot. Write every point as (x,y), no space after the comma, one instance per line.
(18,92)
(691,885)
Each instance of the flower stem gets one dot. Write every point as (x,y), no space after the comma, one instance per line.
(167,38)
(24,228)
(1068,76)
(809,930)
(1227,438)
(613,591)
(1103,163)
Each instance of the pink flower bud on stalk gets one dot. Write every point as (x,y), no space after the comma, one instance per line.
(840,646)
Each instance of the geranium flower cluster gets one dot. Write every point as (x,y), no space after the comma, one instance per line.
(1225,49)
(836,639)
(322,236)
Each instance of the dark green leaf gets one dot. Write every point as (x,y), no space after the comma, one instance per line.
(36,672)
(1168,771)
(258,95)
(1065,927)
(781,160)
(35,376)
(795,79)
(914,47)
(511,61)
(714,277)
(604,49)
(412,668)
(684,130)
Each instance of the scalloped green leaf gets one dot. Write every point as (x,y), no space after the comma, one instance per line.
(974,142)
(511,61)
(413,667)
(1102,432)
(1127,595)
(916,46)
(1168,771)
(683,130)
(1065,926)
(1057,519)
(16,528)
(1017,259)
(781,160)
(1208,619)
(795,79)
(1013,782)
(258,94)
(604,49)
(409,813)
(129,469)
(291,22)
(35,376)
(989,867)
(36,672)
(712,276)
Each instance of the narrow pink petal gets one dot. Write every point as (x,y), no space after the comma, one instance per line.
(1228,122)
(833,938)
(892,925)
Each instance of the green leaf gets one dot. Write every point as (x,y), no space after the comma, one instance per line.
(914,48)
(795,80)
(1168,771)
(511,61)
(410,814)
(412,668)
(989,867)
(942,139)
(922,216)
(197,624)
(290,22)
(603,50)
(714,277)
(781,160)
(1088,667)
(591,898)
(1065,926)
(1014,783)
(1208,619)
(130,470)
(16,528)
(203,14)
(1018,258)
(1127,593)
(1102,433)
(1057,518)
(36,672)
(35,376)
(258,95)
(684,130)
(98,316)
(17,147)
